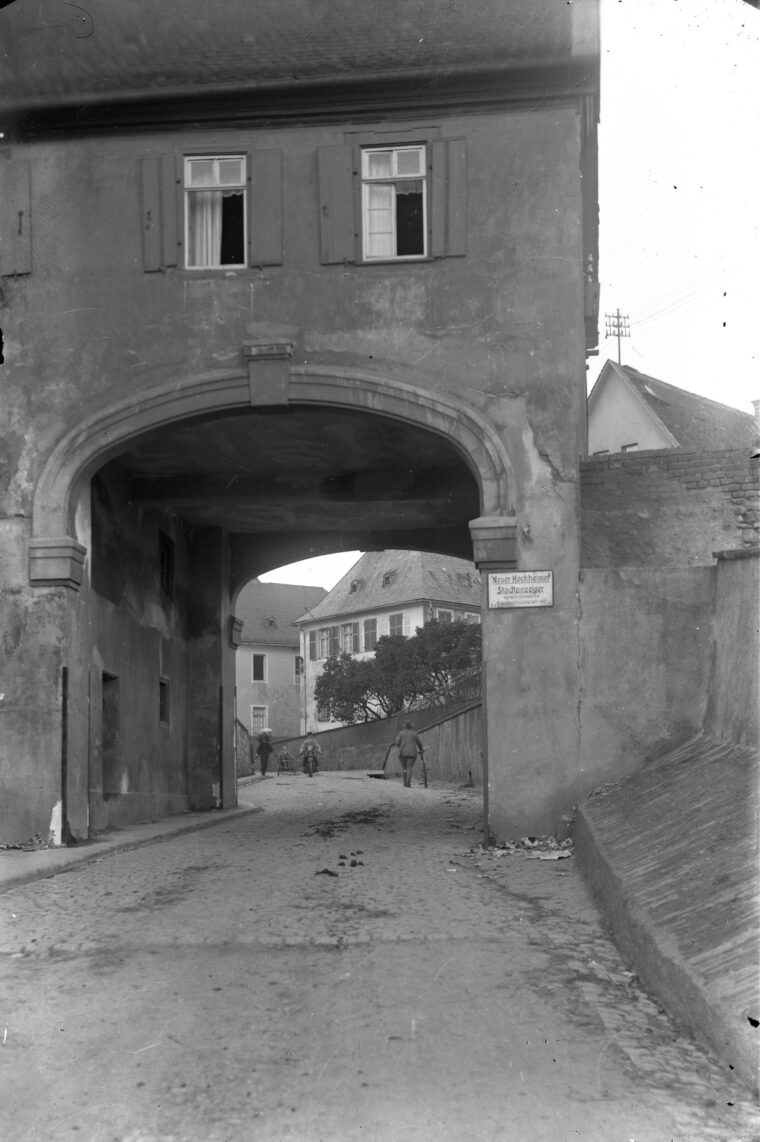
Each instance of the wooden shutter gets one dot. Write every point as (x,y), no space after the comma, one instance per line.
(449,198)
(15,218)
(265,208)
(337,225)
(159,212)
(312,645)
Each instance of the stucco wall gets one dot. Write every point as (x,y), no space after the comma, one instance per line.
(646,647)
(279,693)
(467,324)
(34,627)
(138,637)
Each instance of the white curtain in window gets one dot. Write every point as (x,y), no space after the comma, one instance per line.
(205,228)
(380,222)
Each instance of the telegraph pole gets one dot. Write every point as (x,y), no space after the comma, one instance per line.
(618,325)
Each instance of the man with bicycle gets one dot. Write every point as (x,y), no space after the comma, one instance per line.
(408,744)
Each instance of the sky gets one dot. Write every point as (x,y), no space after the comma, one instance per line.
(679,171)
(679,160)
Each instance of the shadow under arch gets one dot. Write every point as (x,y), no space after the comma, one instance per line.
(105,432)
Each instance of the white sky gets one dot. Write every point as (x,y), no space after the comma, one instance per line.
(679,168)
(679,165)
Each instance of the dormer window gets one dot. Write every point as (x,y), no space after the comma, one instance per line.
(388,578)
(355,586)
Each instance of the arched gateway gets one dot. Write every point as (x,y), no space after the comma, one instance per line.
(64,553)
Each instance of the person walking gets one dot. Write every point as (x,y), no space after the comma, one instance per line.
(264,750)
(408,744)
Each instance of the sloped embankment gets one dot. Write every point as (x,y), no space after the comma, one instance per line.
(671,855)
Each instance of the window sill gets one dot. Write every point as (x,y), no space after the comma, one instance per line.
(229,272)
(423,258)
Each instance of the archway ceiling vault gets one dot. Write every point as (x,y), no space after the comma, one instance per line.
(304,470)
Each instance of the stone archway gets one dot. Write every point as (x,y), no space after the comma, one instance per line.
(56,557)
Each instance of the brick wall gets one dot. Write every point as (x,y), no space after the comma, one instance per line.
(668,507)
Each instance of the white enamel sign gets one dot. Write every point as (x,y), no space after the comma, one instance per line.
(520,589)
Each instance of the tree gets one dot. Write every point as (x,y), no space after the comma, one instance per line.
(405,673)
(345,688)
(444,654)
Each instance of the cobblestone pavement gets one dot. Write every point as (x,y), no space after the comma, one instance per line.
(340,966)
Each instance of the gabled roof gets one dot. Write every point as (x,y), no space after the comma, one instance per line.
(269,611)
(56,51)
(696,423)
(410,576)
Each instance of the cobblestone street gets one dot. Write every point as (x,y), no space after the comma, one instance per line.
(342,965)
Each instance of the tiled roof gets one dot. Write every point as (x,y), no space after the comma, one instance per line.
(696,422)
(55,50)
(260,605)
(413,576)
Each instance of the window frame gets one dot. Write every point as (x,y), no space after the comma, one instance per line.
(394,179)
(186,191)
(371,643)
(254,728)
(391,632)
(263,658)
(321,708)
(328,638)
(349,638)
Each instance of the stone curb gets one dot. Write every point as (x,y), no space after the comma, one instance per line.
(657,961)
(44,863)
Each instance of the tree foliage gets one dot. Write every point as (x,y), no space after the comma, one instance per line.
(404,673)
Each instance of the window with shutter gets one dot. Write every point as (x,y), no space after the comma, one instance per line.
(15,218)
(370,634)
(212,211)
(393,197)
(159,212)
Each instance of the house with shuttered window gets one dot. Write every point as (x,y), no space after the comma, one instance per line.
(268,660)
(278,280)
(384,593)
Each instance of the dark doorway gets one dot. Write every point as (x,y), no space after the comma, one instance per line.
(110,751)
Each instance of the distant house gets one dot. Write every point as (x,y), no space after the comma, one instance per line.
(268,662)
(385,593)
(629,411)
